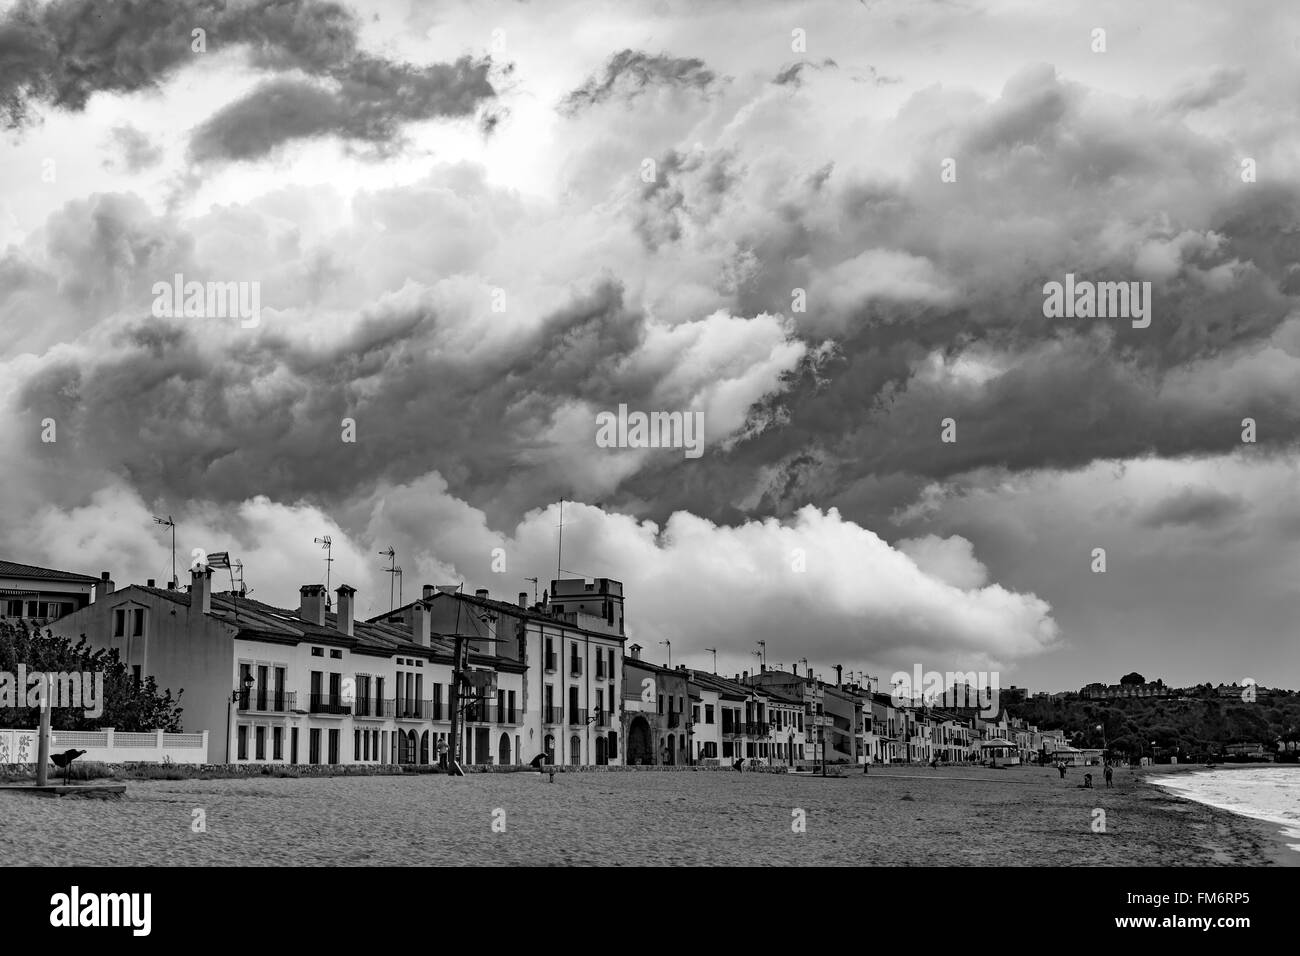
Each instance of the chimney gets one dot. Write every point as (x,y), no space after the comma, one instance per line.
(429,591)
(744,675)
(810,677)
(149,583)
(311,606)
(838,668)
(105,584)
(200,589)
(417,619)
(636,652)
(523,599)
(481,593)
(343,613)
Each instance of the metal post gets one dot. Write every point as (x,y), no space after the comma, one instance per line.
(43,745)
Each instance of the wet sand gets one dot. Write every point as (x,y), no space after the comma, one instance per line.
(895,816)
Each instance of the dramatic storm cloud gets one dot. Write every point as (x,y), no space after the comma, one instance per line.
(827,231)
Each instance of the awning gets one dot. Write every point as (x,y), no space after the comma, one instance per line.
(998,743)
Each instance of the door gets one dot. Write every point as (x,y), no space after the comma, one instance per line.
(293,745)
(334,746)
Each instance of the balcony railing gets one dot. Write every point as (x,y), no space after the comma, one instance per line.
(577,716)
(483,713)
(600,668)
(372,707)
(602,717)
(550,661)
(552,715)
(757,728)
(733,730)
(267,700)
(329,704)
(674,719)
(413,709)
(575,667)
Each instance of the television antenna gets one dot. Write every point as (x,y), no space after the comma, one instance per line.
(392,571)
(714,652)
(326,542)
(169,523)
(534,580)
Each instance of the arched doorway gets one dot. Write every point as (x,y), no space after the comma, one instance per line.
(549,748)
(600,752)
(503,751)
(638,742)
(575,750)
(424,747)
(671,755)
(403,747)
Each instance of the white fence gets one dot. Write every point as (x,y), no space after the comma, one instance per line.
(107,746)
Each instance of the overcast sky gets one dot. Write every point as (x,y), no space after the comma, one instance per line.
(444,206)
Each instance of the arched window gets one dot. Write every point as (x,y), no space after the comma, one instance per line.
(575,750)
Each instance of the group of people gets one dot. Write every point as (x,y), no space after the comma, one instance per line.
(1109,771)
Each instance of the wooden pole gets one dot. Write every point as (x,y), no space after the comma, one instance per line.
(43,745)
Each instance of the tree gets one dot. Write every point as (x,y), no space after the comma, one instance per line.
(1133,678)
(128,705)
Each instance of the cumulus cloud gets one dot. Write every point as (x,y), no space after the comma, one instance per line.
(628,73)
(51,58)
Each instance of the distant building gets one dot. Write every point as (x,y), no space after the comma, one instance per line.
(41,595)
(1098,691)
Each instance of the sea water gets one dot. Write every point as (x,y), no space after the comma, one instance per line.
(1263,793)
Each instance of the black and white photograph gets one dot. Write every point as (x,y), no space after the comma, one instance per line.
(652,433)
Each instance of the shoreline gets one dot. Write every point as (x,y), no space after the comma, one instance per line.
(1274,845)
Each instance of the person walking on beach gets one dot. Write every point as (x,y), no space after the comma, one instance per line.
(1110,772)
(1061,768)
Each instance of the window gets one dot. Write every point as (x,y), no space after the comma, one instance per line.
(119,621)
(242,753)
(334,746)
(318,652)
(336,654)
(313,745)
(695,714)
(277,743)
(260,742)
(661,703)
(137,622)
(708,713)
(512,715)
(135,673)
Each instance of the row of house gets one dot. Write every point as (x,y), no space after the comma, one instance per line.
(314,685)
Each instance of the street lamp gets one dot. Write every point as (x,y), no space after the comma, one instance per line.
(245,686)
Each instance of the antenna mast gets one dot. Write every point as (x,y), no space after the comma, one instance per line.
(534,580)
(392,571)
(169,523)
(714,652)
(326,542)
(559,548)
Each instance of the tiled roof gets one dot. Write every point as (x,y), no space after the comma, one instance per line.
(504,607)
(11,569)
(258,621)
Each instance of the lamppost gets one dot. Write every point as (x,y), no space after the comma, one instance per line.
(245,686)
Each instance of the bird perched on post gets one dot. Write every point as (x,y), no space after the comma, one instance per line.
(64,762)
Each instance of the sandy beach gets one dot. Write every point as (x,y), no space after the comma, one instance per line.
(895,816)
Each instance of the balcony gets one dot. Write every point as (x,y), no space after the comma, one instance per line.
(577,716)
(552,715)
(372,707)
(600,668)
(602,717)
(267,700)
(674,719)
(331,704)
(412,709)
(575,667)
(550,662)
(733,730)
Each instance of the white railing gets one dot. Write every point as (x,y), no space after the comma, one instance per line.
(107,746)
